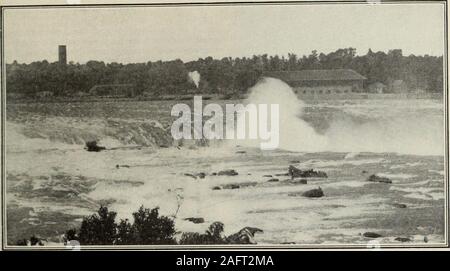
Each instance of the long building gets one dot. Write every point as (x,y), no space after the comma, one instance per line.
(313,82)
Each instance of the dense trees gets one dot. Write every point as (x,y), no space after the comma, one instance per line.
(226,75)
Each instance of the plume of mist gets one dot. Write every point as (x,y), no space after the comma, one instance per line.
(295,134)
(194,76)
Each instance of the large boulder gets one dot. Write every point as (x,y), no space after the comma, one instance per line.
(92,146)
(314,193)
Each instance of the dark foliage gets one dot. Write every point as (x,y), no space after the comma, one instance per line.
(98,229)
(212,236)
(148,228)
(32,241)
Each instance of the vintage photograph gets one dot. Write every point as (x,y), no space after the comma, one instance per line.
(279,125)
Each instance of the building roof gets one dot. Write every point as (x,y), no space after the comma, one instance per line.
(316,75)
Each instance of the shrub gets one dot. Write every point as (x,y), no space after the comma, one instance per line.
(149,229)
(98,229)
(125,233)
(212,236)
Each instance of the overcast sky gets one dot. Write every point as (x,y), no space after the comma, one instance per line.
(141,34)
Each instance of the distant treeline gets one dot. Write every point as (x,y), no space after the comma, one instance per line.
(221,76)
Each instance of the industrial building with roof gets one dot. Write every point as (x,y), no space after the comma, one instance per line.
(313,82)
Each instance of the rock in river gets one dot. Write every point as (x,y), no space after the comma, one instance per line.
(403,239)
(399,205)
(230,172)
(314,193)
(92,146)
(200,175)
(378,179)
(196,220)
(295,172)
(372,235)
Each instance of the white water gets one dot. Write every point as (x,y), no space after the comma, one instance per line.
(387,127)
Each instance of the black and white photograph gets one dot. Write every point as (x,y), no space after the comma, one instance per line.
(283,125)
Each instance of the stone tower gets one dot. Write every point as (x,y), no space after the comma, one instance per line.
(62,55)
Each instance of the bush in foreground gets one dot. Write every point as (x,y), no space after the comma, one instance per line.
(148,228)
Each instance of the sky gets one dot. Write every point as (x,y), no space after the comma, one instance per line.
(141,34)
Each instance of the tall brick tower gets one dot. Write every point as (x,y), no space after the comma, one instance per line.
(62,53)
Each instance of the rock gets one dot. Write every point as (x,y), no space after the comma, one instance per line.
(241,152)
(282,174)
(231,186)
(403,239)
(378,179)
(273,180)
(217,188)
(268,176)
(239,185)
(295,172)
(190,175)
(371,235)
(92,146)
(195,220)
(399,205)
(230,172)
(314,193)
(214,174)
(364,172)
(303,181)
(244,236)
(294,162)
(200,175)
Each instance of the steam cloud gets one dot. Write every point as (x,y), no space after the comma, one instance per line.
(195,77)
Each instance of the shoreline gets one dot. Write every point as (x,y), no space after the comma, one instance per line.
(305,97)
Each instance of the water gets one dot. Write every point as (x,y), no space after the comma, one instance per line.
(52,181)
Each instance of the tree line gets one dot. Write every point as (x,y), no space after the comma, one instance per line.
(221,76)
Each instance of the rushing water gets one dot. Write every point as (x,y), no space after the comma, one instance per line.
(52,181)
